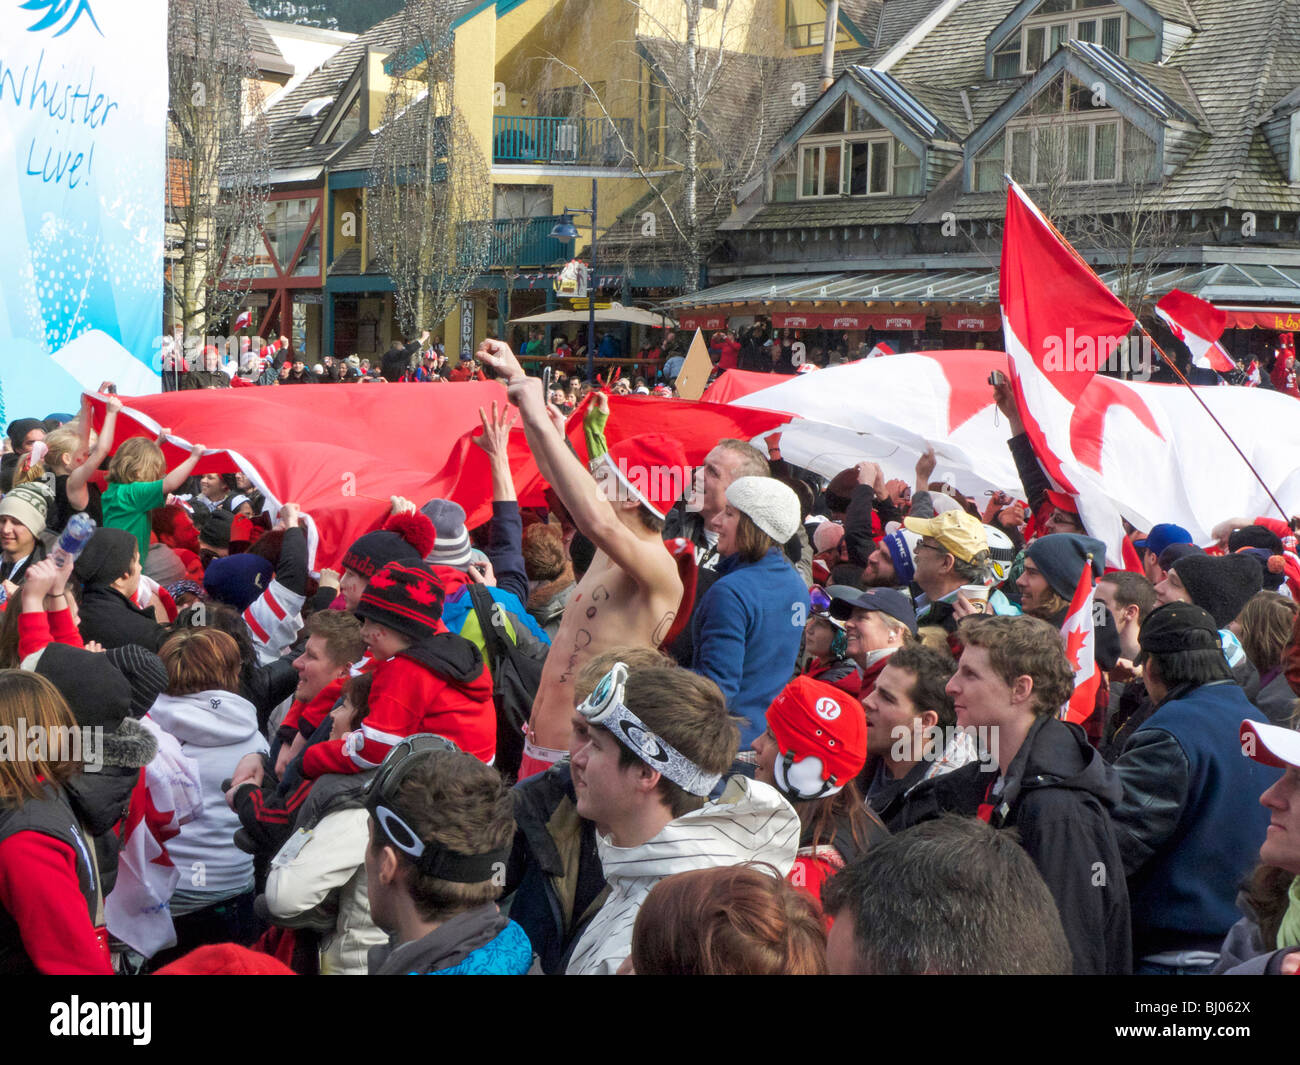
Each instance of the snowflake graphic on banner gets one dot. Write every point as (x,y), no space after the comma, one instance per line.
(56,11)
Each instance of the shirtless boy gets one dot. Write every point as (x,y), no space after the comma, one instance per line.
(632,592)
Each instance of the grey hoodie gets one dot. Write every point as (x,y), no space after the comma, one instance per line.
(216,729)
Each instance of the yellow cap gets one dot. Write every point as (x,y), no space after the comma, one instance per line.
(959,533)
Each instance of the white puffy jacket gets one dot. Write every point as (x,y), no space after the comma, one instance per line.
(751,822)
(314,862)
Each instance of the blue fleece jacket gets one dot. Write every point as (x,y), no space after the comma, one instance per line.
(747,632)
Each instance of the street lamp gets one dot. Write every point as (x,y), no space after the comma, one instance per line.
(564,229)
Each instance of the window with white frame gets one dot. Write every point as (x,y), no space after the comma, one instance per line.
(1066,137)
(848,153)
(1054,22)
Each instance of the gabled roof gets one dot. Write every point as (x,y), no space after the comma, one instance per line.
(266,53)
(953,51)
(1139,81)
(908,103)
(185,34)
(292,138)
(1170,10)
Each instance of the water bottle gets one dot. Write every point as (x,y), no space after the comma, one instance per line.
(76,534)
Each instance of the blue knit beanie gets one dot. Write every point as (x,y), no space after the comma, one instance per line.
(238,579)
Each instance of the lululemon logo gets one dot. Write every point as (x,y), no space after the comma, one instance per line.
(827,709)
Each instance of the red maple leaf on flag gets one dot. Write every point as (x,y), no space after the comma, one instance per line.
(968,389)
(1074,643)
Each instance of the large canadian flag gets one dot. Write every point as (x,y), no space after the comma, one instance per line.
(1198,324)
(1148,453)
(1142,452)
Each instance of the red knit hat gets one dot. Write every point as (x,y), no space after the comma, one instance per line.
(405,596)
(225,959)
(652,468)
(821,736)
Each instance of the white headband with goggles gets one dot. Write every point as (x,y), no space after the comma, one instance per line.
(605,707)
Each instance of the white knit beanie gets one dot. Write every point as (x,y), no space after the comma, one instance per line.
(768,503)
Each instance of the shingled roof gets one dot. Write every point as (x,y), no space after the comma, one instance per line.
(291,136)
(1240,67)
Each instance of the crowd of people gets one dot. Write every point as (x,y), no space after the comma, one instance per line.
(744,720)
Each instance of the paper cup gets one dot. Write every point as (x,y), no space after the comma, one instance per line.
(978,594)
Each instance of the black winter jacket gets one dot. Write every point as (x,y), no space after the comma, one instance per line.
(114,621)
(1057,793)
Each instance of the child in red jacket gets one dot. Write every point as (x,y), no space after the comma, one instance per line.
(427,679)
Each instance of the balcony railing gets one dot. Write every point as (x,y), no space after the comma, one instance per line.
(526,242)
(562,141)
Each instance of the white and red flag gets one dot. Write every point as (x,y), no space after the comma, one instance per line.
(1079,637)
(879,350)
(1198,324)
(244,320)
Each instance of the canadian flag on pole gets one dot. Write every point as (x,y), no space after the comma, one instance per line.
(1079,637)
(1061,324)
(1144,453)
(244,320)
(1198,324)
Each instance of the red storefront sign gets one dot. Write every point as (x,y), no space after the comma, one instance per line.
(847,320)
(1282,321)
(702,321)
(971,323)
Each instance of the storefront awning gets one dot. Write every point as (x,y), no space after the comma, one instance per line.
(1264,297)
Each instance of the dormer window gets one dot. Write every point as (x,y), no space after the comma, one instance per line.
(1066,136)
(847,153)
(1053,22)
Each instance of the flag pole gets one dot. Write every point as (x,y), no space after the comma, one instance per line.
(1197,396)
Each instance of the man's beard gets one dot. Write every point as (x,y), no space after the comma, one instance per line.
(878,579)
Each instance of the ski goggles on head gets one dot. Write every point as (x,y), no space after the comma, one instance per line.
(605,707)
(429,856)
(821,602)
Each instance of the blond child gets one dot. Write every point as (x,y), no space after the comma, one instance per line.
(138,482)
(75,454)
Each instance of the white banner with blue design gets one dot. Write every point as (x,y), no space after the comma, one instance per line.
(83,113)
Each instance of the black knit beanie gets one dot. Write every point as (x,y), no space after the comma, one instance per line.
(370,553)
(1254,536)
(144,672)
(1220,584)
(405,596)
(96,692)
(19,428)
(106,556)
